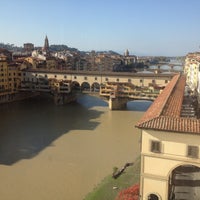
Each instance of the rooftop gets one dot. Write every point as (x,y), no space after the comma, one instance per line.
(166,112)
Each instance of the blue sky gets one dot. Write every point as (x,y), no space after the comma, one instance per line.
(145,27)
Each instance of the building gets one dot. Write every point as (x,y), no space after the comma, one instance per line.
(46,46)
(10,78)
(170,142)
(129,59)
(28,47)
(192,68)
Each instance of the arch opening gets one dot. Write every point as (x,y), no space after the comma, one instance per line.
(184,183)
(76,86)
(95,87)
(85,86)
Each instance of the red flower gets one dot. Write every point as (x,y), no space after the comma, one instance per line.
(131,193)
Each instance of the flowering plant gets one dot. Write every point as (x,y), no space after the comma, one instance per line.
(131,193)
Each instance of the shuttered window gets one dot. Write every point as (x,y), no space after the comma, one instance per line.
(193,151)
(155,146)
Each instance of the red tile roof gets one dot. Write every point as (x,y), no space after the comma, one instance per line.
(164,113)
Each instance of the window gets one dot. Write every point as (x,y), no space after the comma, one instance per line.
(106,79)
(65,77)
(95,78)
(55,76)
(153,197)
(141,81)
(117,80)
(129,80)
(153,81)
(74,77)
(193,151)
(166,81)
(155,146)
(45,76)
(85,78)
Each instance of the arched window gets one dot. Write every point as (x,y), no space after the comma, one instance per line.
(153,197)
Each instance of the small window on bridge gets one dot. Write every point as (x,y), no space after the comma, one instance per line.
(85,78)
(117,80)
(153,81)
(55,76)
(65,76)
(106,79)
(45,76)
(95,78)
(166,81)
(74,77)
(35,74)
(129,80)
(141,81)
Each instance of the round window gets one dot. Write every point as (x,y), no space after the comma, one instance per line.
(153,197)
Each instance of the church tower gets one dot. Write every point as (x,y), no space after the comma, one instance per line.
(46,45)
(126,53)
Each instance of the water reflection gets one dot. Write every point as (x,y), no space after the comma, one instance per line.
(138,105)
(91,101)
(27,127)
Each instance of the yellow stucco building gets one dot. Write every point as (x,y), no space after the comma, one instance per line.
(170,142)
(10,78)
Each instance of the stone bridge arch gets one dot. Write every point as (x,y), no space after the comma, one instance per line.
(95,87)
(85,86)
(76,85)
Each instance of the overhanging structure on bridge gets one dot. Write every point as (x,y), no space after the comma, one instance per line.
(115,86)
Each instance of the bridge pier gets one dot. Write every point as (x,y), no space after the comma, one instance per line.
(117,103)
(62,98)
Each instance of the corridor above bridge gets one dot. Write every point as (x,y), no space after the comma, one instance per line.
(117,87)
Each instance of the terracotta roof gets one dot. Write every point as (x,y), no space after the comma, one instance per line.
(164,113)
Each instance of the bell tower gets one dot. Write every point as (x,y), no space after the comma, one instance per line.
(46,44)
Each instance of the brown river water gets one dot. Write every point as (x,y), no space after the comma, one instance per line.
(50,152)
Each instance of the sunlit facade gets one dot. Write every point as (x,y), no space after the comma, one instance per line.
(170,160)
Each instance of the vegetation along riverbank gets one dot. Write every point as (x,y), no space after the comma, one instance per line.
(109,188)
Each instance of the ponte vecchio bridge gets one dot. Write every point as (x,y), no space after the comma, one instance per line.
(116,87)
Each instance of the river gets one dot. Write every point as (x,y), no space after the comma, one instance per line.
(50,152)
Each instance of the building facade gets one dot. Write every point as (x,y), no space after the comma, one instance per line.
(170,160)
(192,69)
(29,47)
(10,79)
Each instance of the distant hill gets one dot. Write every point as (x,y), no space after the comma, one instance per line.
(61,47)
(10,47)
(54,47)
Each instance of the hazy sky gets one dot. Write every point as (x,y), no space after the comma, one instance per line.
(145,27)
